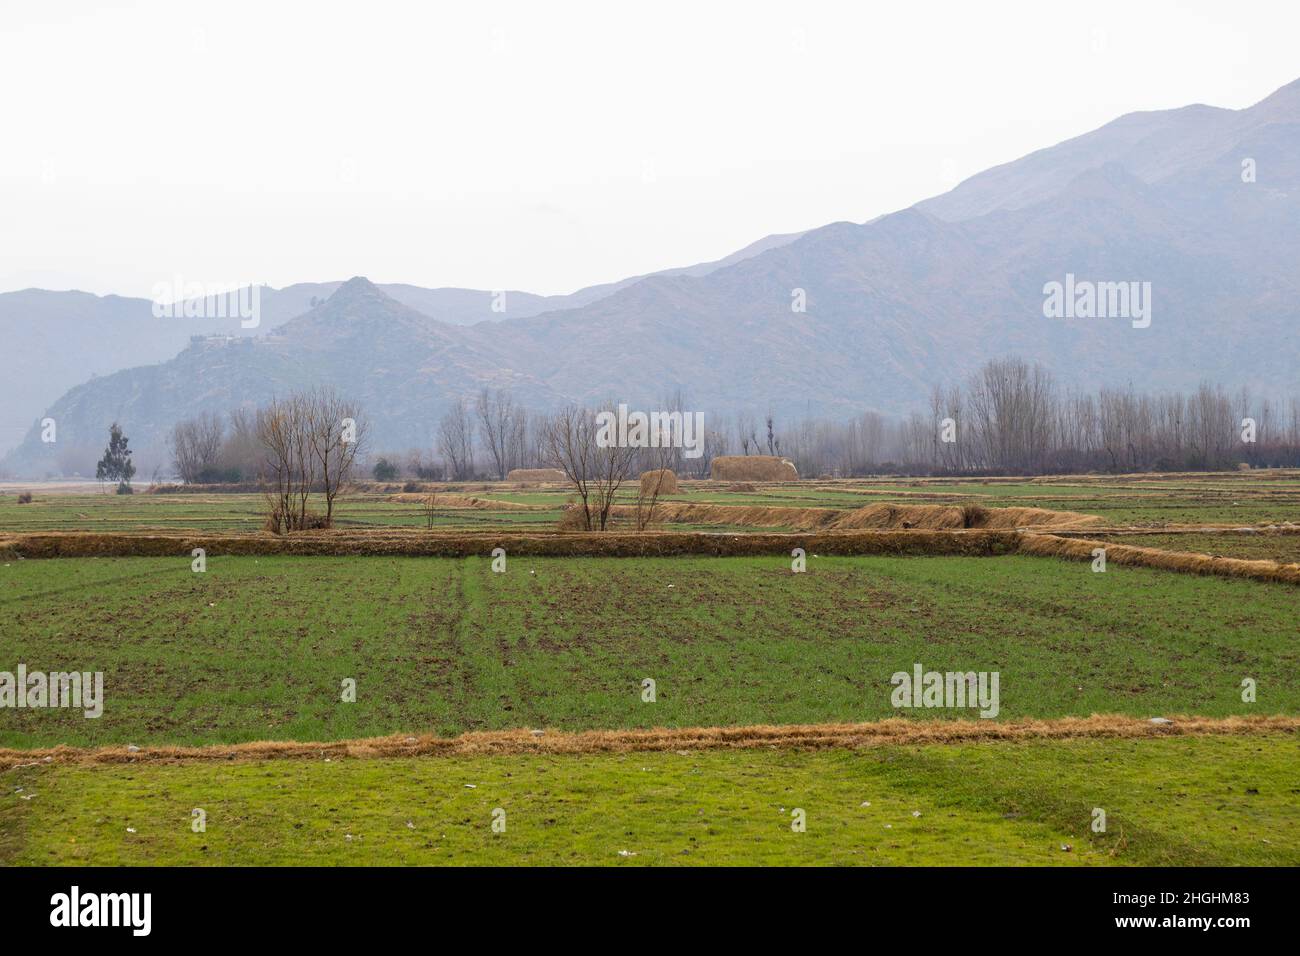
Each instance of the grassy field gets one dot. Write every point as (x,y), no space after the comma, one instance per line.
(1177,801)
(256,648)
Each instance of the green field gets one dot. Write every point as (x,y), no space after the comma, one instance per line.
(1175,801)
(257,648)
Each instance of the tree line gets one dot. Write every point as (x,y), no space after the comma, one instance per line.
(1009,417)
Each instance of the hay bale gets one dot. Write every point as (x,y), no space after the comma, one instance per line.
(753,468)
(536,474)
(742,486)
(662,481)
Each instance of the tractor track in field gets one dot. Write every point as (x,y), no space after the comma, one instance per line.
(893,731)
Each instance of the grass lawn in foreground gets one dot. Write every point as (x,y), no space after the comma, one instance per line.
(1172,801)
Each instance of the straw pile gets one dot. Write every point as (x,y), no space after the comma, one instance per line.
(664,478)
(753,468)
(536,474)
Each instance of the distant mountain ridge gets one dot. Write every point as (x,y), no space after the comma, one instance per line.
(55,340)
(893,306)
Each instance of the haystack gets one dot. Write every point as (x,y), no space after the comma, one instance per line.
(664,478)
(536,474)
(753,468)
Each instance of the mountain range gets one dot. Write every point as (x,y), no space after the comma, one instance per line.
(1201,203)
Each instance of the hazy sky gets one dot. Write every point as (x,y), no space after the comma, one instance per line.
(546,146)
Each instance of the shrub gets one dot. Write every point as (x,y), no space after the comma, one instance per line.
(385,470)
(278,522)
(25,498)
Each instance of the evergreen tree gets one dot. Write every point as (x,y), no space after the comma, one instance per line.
(116,464)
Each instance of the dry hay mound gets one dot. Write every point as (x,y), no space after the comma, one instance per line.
(536,474)
(753,468)
(742,486)
(951,517)
(665,480)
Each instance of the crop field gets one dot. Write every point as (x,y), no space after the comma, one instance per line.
(319,649)
(257,647)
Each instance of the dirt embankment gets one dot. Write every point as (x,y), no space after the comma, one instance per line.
(876,517)
(418,543)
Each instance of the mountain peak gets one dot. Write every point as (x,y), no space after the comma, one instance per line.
(357,287)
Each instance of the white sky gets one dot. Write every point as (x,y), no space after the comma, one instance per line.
(546,146)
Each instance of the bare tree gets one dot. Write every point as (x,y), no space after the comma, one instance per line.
(283,429)
(335,436)
(497,422)
(196,446)
(596,473)
(656,461)
(456,442)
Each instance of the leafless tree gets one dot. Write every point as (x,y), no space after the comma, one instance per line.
(456,442)
(336,435)
(596,473)
(498,426)
(196,446)
(283,429)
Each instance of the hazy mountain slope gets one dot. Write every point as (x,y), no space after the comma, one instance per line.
(55,340)
(402,366)
(1151,146)
(893,306)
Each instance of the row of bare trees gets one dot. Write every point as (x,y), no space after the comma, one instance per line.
(1009,417)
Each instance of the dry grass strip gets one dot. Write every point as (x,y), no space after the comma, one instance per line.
(894,731)
(1185,562)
